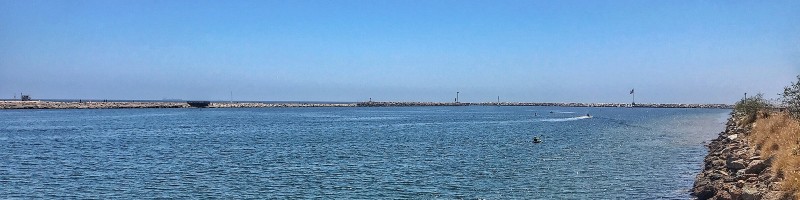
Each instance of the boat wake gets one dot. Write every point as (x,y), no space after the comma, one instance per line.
(565,119)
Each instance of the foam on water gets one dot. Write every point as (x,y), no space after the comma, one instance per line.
(566,119)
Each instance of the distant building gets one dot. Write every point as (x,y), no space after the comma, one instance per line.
(25,97)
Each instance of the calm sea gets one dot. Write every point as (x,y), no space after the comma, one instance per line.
(354,153)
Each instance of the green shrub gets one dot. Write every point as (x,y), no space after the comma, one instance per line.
(791,98)
(747,108)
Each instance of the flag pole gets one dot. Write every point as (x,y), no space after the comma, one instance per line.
(633,97)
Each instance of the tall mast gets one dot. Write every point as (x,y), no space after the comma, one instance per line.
(633,97)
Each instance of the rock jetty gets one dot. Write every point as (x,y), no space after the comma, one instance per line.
(87,105)
(277,105)
(114,105)
(111,105)
(733,169)
(643,105)
(401,104)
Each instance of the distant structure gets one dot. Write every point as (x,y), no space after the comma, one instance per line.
(633,98)
(25,97)
(199,104)
(457,97)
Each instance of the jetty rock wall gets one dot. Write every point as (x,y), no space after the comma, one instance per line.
(87,105)
(114,105)
(733,169)
(277,105)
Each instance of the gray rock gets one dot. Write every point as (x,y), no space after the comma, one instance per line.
(718,164)
(756,167)
(736,165)
(704,190)
(715,176)
(750,193)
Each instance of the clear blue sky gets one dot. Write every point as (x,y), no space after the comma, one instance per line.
(400,50)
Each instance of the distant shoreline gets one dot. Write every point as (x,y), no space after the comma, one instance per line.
(250,104)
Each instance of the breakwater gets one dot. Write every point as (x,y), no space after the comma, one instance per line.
(114,105)
(87,105)
(111,105)
(277,105)
(403,104)
(734,169)
(645,105)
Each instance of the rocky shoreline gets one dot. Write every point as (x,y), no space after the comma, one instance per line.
(733,169)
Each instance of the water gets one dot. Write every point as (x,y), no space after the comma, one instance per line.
(364,153)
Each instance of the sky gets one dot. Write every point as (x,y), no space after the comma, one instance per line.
(399,50)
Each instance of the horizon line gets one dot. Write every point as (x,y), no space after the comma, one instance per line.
(327,101)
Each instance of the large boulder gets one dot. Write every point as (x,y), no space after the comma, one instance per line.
(717,164)
(704,190)
(750,193)
(756,167)
(735,165)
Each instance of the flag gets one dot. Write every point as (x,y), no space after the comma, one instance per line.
(631,91)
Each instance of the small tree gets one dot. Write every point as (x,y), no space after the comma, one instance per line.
(747,108)
(791,98)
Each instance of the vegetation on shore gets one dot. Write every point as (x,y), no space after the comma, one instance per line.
(747,108)
(775,132)
(791,98)
(777,136)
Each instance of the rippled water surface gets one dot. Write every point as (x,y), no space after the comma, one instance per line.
(365,153)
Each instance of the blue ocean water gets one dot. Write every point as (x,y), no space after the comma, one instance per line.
(363,153)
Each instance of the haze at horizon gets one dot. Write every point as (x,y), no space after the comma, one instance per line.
(532,51)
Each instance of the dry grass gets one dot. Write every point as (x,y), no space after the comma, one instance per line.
(778,135)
